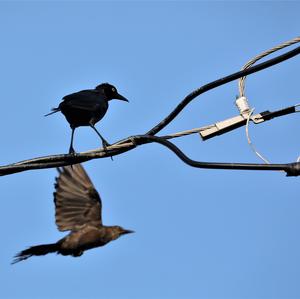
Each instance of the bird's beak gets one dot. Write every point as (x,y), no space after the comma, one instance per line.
(120,97)
(127,231)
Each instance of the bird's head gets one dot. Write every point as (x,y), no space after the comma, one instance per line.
(119,231)
(110,92)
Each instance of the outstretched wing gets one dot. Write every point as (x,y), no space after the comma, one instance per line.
(76,200)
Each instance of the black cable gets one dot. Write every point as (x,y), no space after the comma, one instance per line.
(291,169)
(218,83)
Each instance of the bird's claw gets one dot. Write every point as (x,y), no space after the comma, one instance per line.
(72,151)
(105,144)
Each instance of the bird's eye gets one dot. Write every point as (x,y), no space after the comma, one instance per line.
(113,89)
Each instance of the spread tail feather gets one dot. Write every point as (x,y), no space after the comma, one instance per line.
(53,110)
(35,250)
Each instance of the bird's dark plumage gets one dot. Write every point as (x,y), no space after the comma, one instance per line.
(78,209)
(87,107)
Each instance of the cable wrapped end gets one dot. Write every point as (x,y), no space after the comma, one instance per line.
(293,170)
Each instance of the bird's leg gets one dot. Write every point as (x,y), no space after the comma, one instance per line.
(71,149)
(105,144)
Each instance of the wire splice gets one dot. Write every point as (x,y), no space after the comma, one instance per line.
(238,121)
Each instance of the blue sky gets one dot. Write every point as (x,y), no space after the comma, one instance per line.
(199,233)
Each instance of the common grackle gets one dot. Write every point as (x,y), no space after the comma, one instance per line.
(87,107)
(78,209)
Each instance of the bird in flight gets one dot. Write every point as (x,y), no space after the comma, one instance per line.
(87,107)
(77,209)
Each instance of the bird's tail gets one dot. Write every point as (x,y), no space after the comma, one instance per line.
(53,110)
(35,250)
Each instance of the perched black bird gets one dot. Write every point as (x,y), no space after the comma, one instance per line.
(87,107)
(78,209)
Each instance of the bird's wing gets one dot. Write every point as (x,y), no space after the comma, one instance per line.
(83,100)
(76,200)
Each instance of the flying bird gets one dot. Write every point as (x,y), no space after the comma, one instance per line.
(87,107)
(77,209)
